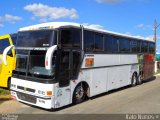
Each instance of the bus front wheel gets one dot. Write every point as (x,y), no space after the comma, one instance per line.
(79,94)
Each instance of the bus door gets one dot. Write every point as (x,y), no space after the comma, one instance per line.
(6,70)
(63,68)
(67,70)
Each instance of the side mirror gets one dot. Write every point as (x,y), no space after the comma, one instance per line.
(48,57)
(6,50)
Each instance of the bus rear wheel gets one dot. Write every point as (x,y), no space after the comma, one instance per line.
(79,94)
(134,80)
(140,78)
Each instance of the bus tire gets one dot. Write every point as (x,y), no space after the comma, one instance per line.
(134,80)
(79,94)
(139,79)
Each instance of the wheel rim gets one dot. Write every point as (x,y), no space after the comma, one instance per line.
(79,93)
(140,78)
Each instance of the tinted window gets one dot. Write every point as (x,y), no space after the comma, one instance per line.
(144,47)
(135,46)
(14,38)
(36,38)
(115,44)
(108,43)
(151,47)
(124,45)
(63,68)
(70,38)
(98,42)
(3,44)
(88,41)
(76,63)
(111,43)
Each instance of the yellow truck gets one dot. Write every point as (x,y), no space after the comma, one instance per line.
(6,69)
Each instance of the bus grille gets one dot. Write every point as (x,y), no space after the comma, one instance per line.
(26,89)
(27,98)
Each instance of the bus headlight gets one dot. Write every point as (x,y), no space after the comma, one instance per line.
(13,86)
(41,92)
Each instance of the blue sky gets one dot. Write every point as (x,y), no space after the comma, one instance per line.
(134,17)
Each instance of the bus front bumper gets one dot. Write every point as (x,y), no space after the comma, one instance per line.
(32,93)
(41,102)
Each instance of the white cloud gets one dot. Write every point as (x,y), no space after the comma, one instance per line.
(149,37)
(119,1)
(140,26)
(10,18)
(43,20)
(46,13)
(109,1)
(93,25)
(143,26)
(1,25)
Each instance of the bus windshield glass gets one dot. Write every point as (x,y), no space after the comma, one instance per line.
(45,38)
(32,63)
(37,65)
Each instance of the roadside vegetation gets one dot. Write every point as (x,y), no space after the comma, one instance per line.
(4,95)
(158,59)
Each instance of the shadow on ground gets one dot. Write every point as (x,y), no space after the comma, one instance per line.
(4,98)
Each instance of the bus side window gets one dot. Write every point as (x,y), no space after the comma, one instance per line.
(108,43)
(70,38)
(151,47)
(115,45)
(76,64)
(88,41)
(144,47)
(99,41)
(14,38)
(3,44)
(124,45)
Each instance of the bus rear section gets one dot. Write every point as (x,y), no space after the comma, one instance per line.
(6,68)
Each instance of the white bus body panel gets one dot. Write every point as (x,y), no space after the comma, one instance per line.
(108,72)
(62,96)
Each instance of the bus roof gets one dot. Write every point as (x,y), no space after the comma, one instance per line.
(54,25)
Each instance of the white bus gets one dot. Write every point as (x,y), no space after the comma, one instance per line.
(62,63)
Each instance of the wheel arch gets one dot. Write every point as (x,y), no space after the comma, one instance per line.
(87,88)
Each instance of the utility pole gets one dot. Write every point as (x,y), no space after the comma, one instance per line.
(155,34)
(155,39)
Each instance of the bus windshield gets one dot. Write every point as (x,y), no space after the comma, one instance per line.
(37,65)
(32,63)
(45,38)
